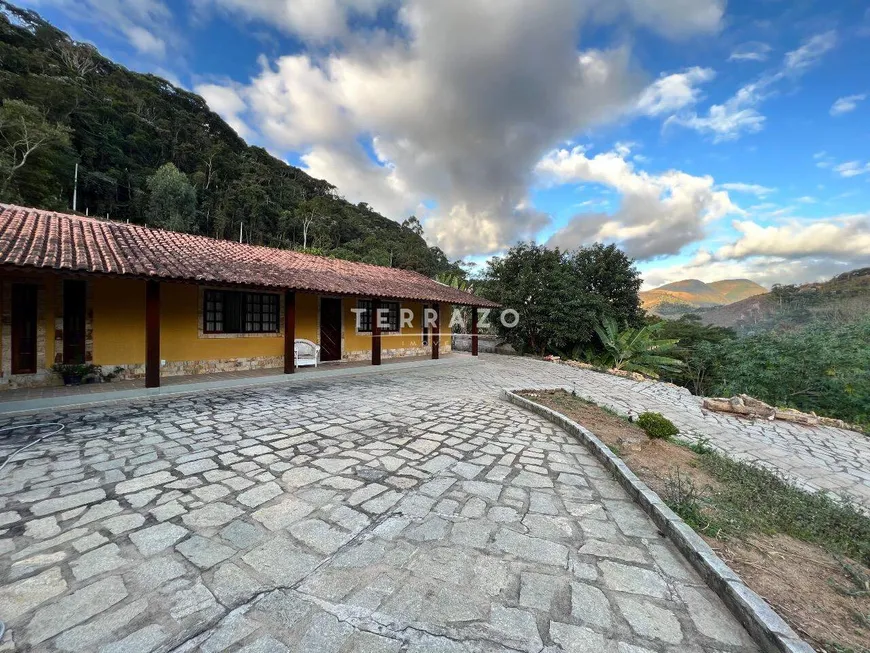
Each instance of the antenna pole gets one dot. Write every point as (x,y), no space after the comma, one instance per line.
(76,188)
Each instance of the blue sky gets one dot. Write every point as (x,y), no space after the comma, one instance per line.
(708,139)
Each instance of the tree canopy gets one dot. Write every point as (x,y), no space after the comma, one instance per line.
(562,296)
(122,127)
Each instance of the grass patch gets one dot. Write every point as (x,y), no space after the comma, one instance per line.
(749,499)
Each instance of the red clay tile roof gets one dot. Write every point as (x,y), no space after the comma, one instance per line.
(44,239)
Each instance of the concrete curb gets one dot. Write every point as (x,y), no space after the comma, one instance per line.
(71,402)
(763,624)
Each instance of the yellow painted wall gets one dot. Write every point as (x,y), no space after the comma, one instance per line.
(307,307)
(179,331)
(119,321)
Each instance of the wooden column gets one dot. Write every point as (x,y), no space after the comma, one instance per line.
(289,332)
(152,334)
(474,331)
(436,333)
(376,333)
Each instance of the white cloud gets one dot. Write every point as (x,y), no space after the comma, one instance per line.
(766,270)
(852,169)
(146,24)
(796,251)
(751,51)
(460,102)
(311,20)
(739,114)
(228,102)
(670,93)
(673,18)
(810,52)
(847,235)
(847,104)
(658,214)
(359,177)
(753,189)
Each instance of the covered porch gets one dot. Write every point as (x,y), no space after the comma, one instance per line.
(91,299)
(23,400)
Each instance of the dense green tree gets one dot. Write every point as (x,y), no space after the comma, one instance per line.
(822,367)
(29,148)
(560,297)
(534,281)
(606,273)
(172,200)
(695,347)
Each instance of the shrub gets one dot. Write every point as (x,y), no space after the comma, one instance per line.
(657,425)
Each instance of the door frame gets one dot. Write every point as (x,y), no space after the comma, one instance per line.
(62,318)
(41,331)
(15,334)
(340,301)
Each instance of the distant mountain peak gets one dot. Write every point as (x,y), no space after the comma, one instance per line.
(674,299)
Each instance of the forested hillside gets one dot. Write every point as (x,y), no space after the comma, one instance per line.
(64,103)
(843,299)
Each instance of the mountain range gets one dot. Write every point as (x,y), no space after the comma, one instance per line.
(688,295)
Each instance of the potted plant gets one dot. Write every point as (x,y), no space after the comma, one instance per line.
(75,373)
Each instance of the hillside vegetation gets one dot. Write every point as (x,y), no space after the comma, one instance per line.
(63,103)
(845,298)
(680,297)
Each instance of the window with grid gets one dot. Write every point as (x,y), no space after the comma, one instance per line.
(366,317)
(232,311)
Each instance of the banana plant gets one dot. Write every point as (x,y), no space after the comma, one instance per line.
(636,350)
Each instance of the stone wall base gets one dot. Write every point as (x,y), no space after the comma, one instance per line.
(366,355)
(184,368)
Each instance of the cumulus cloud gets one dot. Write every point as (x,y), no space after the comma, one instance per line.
(847,235)
(795,251)
(739,114)
(751,51)
(228,102)
(459,103)
(847,104)
(658,214)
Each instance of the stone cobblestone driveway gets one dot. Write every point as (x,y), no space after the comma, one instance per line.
(414,512)
(821,458)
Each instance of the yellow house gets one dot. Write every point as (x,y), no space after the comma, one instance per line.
(147,302)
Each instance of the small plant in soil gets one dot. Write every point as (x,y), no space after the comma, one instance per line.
(76,373)
(657,426)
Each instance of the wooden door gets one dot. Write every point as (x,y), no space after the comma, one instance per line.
(24,328)
(74,322)
(330,329)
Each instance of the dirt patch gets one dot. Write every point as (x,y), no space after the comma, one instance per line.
(809,587)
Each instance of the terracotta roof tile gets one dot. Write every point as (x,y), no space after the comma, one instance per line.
(57,241)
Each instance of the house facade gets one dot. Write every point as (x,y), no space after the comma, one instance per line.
(140,302)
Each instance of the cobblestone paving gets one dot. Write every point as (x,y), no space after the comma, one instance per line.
(821,458)
(416,513)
